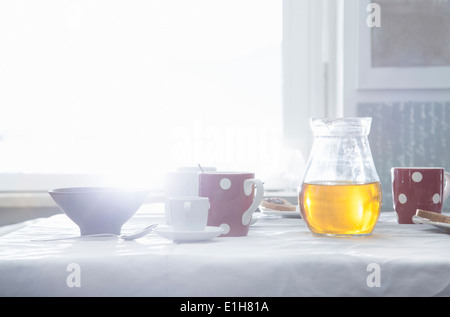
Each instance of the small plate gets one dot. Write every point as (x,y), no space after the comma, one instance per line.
(441,225)
(186,236)
(280,213)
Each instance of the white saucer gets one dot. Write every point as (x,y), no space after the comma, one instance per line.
(186,236)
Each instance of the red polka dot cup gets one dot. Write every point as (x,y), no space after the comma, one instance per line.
(232,200)
(418,188)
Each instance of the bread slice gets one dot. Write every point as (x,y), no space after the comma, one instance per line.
(433,216)
(280,204)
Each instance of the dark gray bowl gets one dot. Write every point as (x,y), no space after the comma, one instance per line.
(98,209)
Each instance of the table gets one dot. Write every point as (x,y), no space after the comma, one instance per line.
(279,258)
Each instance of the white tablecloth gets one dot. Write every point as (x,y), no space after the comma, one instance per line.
(279,257)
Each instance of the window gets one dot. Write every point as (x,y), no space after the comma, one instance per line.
(130,89)
(312,67)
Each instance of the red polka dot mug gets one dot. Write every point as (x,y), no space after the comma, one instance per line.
(418,188)
(233,197)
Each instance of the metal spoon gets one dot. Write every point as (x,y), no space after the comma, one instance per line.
(133,236)
(139,234)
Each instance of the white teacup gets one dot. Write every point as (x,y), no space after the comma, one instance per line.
(189,213)
(181,183)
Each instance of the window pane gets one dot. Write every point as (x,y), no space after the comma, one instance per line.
(140,87)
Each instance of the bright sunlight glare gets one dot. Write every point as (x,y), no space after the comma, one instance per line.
(136,88)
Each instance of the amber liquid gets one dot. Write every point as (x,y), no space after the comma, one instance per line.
(340,208)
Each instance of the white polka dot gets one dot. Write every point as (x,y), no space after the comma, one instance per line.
(417,176)
(402,198)
(436,198)
(225,228)
(225,183)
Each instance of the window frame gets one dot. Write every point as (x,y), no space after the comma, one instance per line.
(312,67)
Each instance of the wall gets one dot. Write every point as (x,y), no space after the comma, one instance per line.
(410,126)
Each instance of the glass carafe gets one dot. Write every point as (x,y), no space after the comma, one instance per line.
(340,194)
